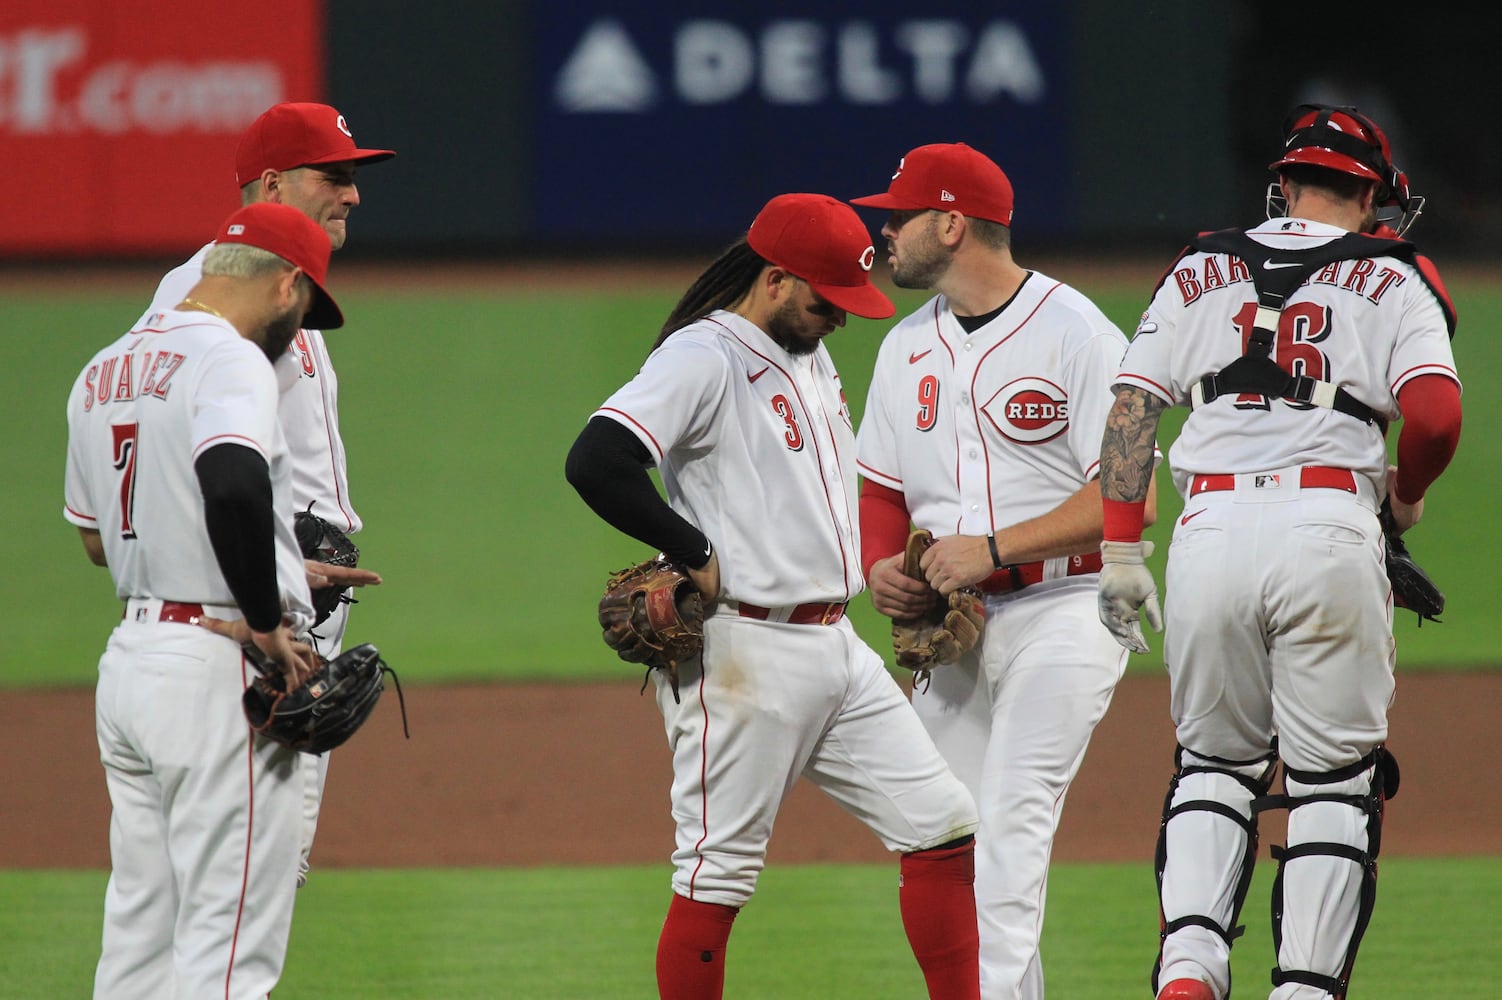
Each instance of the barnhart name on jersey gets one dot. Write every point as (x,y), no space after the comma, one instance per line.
(1371,278)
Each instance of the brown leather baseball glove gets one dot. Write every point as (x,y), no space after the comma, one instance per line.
(950,628)
(653,613)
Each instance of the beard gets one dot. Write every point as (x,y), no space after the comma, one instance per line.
(277,334)
(785,328)
(923,265)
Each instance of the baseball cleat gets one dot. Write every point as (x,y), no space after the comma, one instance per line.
(1186,989)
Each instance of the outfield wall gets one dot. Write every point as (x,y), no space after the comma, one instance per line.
(602,129)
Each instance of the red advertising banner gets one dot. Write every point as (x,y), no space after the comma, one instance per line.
(119,120)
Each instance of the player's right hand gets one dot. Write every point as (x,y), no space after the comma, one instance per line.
(322,574)
(1128,593)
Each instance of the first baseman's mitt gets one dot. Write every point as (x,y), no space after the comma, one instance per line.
(653,613)
(327,709)
(951,627)
(1411,586)
(325,542)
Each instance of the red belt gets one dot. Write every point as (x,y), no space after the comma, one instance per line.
(1310,477)
(1019,575)
(803,614)
(172,611)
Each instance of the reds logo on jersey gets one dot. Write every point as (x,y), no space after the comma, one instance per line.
(1029,411)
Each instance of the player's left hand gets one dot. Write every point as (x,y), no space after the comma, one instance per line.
(956,561)
(894,593)
(1128,593)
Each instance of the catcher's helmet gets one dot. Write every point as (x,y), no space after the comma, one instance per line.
(1343,139)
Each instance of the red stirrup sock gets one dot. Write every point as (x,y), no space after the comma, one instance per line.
(937,896)
(691,950)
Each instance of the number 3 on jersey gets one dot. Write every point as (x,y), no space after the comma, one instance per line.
(124,460)
(784,409)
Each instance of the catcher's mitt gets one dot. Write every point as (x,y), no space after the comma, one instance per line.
(327,709)
(653,613)
(325,542)
(1411,586)
(950,628)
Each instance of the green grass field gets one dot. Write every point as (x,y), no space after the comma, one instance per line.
(814,932)
(458,409)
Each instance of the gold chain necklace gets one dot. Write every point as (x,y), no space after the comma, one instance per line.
(201,306)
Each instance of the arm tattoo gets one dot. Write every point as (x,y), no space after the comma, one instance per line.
(1126,452)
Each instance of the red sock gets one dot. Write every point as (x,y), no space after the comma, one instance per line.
(937,897)
(691,950)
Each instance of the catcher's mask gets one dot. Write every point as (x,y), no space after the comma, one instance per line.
(1342,139)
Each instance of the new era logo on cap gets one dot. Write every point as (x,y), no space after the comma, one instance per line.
(234,230)
(947,177)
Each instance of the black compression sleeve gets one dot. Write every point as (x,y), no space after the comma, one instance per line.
(608,467)
(236,486)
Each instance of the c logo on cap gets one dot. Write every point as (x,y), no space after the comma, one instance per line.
(343,126)
(868,258)
(900,164)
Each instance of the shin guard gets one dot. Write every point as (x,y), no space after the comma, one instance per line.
(1207,845)
(1326,886)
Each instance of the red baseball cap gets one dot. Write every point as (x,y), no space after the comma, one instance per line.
(821,240)
(296,239)
(949,177)
(298,134)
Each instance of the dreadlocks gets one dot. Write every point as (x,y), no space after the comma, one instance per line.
(723,283)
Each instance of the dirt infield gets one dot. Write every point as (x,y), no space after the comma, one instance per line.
(533,774)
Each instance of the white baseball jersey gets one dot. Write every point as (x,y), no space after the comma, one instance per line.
(702,404)
(756,448)
(1345,329)
(983,430)
(309,410)
(139,415)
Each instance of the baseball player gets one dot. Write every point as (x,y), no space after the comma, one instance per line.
(304,155)
(983,426)
(178,480)
(1294,344)
(740,408)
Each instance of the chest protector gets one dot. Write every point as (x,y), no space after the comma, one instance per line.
(1276,274)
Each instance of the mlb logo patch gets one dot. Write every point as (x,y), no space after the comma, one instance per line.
(1268,481)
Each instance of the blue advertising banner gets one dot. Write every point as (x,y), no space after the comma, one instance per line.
(678,120)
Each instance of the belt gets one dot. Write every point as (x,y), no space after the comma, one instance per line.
(1310,477)
(1015,576)
(146,609)
(801,614)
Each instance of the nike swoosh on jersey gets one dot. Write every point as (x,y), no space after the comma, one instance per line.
(1273,265)
(913,359)
(1191,515)
(753,376)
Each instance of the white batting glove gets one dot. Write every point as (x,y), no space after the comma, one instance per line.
(1128,593)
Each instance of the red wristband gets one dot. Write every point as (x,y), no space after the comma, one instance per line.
(1123,519)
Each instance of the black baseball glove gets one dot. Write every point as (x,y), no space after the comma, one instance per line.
(325,542)
(1411,586)
(327,709)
